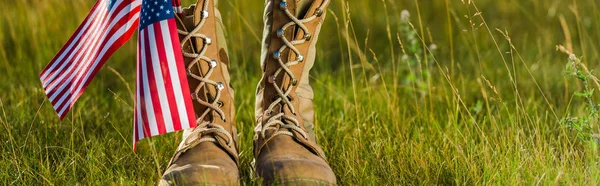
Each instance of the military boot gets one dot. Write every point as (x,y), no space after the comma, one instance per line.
(208,154)
(285,148)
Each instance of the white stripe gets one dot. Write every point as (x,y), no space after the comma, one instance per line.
(92,33)
(75,40)
(147,94)
(109,44)
(93,47)
(140,120)
(178,9)
(171,61)
(160,83)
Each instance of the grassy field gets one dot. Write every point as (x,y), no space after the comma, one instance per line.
(409,92)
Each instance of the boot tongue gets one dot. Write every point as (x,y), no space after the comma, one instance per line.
(302,7)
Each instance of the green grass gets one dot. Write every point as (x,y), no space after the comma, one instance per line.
(460,93)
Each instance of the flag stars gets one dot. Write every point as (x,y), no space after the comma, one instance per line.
(154,11)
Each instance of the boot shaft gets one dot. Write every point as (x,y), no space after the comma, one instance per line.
(207,63)
(290,35)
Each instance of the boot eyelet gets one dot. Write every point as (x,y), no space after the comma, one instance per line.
(280,33)
(188,72)
(307,37)
(294,82)
(283,5)
(271,79)
(220,86)
(276,54)
(213,63)
(194,96)
(220,103)
(208,41)
(319,12)
(204,14)
(300,58)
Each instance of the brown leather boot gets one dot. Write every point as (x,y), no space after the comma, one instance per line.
(208,154)
(285,148)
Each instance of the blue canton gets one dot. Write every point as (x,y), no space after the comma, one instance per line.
(154,11)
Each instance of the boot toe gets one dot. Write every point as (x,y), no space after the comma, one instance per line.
(203,165)
(296,171)
(199,175)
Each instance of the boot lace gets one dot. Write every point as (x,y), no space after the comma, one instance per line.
(204,127)
(281,120)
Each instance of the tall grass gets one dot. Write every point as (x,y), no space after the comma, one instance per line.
(409,92)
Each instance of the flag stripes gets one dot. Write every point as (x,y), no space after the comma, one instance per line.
(163,102)
(107,28)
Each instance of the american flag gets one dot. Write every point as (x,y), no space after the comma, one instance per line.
(109,25)
(163,103)
(163,97)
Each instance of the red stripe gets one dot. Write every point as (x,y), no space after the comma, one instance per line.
(152,84)
(135,123)
(176,3)
(182,73)
(146,125)
(62,105)
(160,45)
(65,46)
(136,112)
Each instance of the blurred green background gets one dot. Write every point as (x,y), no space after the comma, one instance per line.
(418,92)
